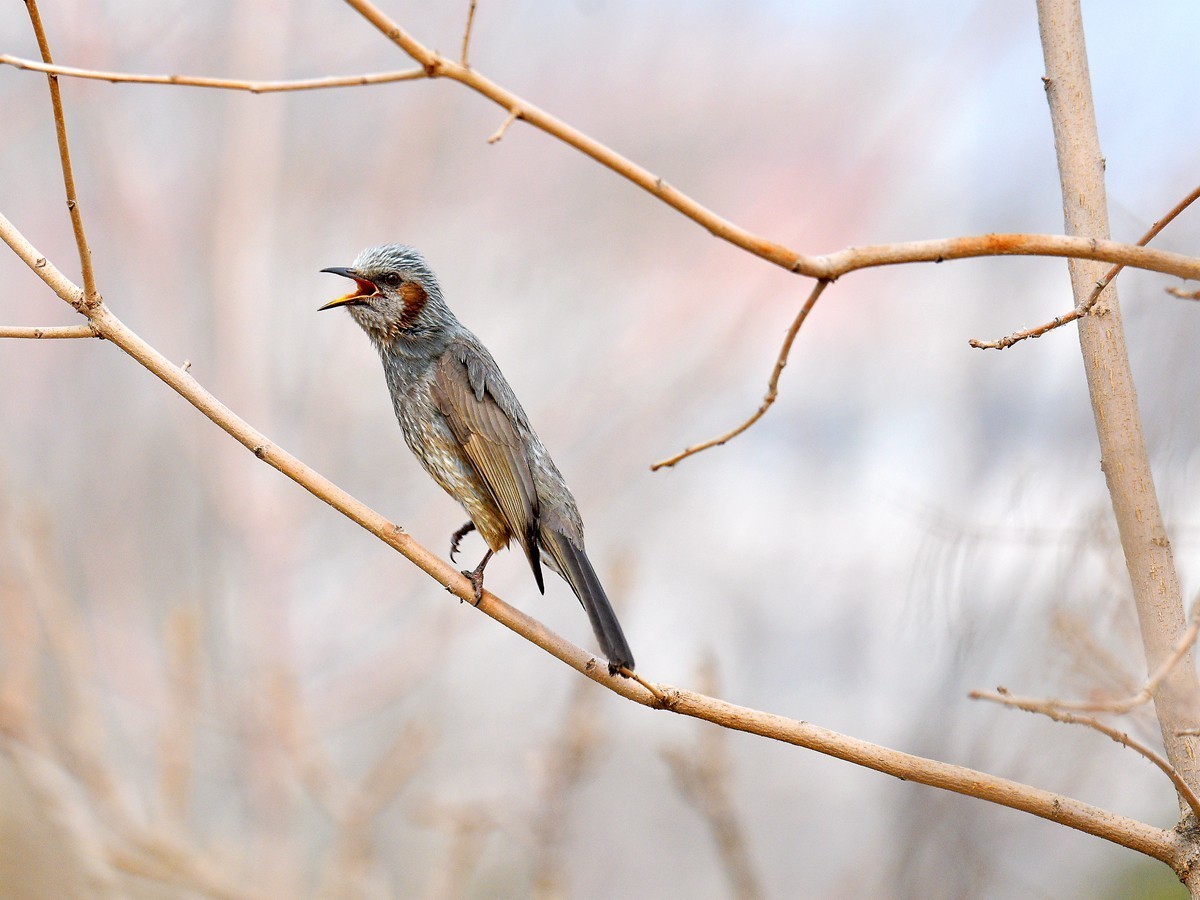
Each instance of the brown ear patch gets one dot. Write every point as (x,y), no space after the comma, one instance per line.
(414,298)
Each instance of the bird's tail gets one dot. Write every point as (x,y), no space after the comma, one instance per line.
(575,567)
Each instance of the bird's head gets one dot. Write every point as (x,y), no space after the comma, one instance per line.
(395,293)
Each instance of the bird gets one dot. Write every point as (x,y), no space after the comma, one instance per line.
(463,422)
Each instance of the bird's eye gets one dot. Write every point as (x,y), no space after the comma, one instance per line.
(391,279)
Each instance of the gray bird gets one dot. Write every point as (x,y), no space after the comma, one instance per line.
(464,423)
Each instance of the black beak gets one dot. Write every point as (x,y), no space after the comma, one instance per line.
(362,289)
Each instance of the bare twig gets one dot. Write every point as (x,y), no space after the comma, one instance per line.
(772,385)
(1145,695)
(467,33)
(1182,294)
(499,133)
(228,84)
(91,297)
(659,697)
(1084,308)
(47,332)
(1002,697)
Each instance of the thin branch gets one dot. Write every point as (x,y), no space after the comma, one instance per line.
(1143,696)
(467,34)
(499,133)
(90,296)
(1002,697)
(1158,843)
(1182,294)
(1086,307)
(772,385)
(228,84)
(47,332)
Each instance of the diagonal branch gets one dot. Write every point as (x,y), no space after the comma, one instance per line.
(90,297)
(1143,696)
(1002,697)
(1163,845)
(229,84)
(772,386)
(1086,306)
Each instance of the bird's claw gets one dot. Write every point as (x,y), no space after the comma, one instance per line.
(456,538)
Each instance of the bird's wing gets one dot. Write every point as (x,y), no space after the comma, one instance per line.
(466,383)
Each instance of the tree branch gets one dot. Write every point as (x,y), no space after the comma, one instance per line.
(1143,696)
(1047,709)
(90,296)
(228,84)
(772,385)
(47,332)
(1123,455)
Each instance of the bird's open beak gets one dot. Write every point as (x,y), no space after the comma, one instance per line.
(362,289)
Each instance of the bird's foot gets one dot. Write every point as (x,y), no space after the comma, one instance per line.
(456,538)
(476,577)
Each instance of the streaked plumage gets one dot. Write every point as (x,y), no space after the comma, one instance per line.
(463,422)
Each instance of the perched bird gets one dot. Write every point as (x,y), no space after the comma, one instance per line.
(464,423)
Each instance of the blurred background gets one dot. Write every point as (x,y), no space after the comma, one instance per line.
(232,690)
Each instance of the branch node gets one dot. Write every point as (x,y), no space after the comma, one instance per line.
(433,66)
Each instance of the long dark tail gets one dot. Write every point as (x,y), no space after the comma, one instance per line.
(578,572)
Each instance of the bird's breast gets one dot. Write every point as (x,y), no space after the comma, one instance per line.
(429,438)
